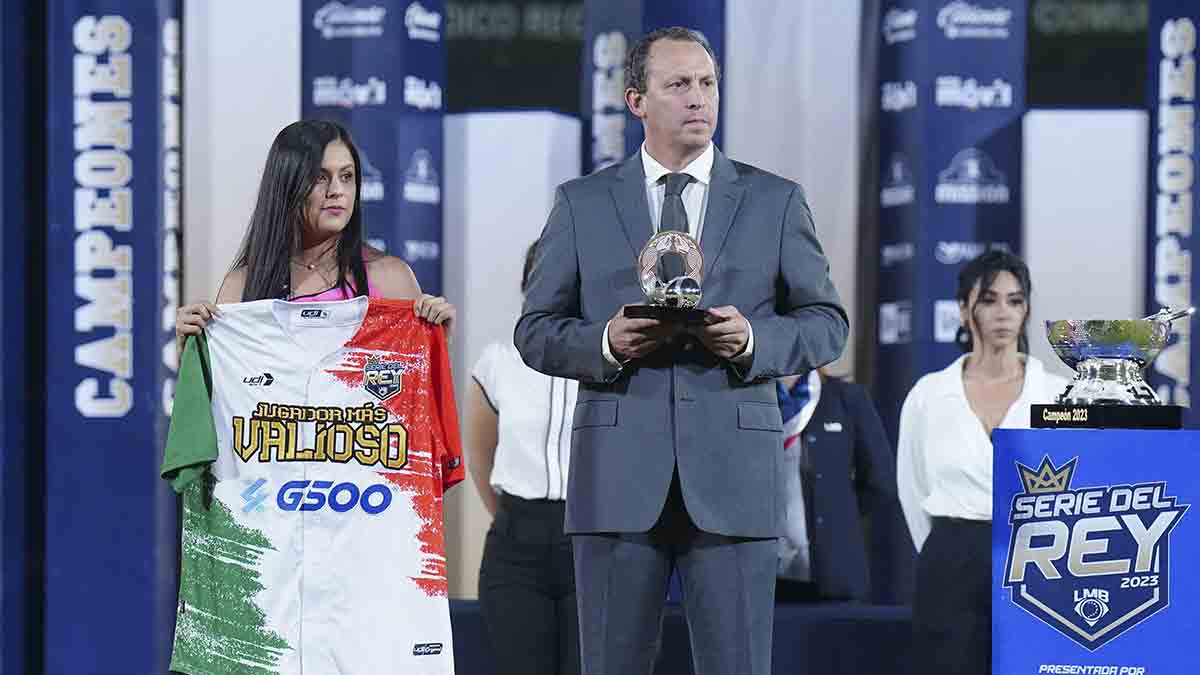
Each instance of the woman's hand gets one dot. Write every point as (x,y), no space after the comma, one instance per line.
(191,320)
(436,310)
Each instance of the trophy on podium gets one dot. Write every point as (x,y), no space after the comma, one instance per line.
(669,271)
(1109,357)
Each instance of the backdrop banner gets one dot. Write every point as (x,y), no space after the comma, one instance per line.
(380,70)
(14,462)
(113,83)
(952,83)
(1171,190)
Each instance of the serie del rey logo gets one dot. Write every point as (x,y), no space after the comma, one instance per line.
(382,379)
(1090,562)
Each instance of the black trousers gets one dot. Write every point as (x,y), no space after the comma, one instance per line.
(527,590)
(952,607)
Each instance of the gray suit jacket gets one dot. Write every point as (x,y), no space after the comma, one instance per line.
(681,406)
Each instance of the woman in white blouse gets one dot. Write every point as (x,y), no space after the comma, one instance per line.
(944,461)
(518,445)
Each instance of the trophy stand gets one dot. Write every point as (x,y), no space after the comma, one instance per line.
(1108,391)
(670,300)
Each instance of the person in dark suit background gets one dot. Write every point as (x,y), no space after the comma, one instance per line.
(675,453)
(839,468)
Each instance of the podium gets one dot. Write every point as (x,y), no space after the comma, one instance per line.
(1093,543)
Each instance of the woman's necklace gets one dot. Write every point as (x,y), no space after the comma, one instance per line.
(311,267)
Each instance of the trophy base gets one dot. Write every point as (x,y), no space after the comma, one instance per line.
(1067,416)
(665,314)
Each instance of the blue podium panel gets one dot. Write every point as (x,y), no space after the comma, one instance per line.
(1091,547)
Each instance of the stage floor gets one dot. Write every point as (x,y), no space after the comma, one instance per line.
(831,639)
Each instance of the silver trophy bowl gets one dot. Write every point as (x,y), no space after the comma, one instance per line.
(1109,356)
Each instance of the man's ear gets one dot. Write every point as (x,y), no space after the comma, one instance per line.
(635,99)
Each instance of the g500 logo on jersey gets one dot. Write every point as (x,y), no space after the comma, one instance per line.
(382,379)
(1090,562)
(306,495)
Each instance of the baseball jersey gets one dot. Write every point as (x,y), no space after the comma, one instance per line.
(312,443)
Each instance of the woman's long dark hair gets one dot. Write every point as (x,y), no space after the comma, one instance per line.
(984,269)
(274,235)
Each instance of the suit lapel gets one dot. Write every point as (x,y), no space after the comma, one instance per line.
(629,194)
(724,196)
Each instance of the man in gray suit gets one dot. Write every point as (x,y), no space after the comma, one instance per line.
(676,454)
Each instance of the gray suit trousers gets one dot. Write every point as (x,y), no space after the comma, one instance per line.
(728,596)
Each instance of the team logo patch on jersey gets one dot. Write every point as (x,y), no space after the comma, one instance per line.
(382,379)
(1090,562)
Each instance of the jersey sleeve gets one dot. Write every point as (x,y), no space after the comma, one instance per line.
(453,470)
(192,436)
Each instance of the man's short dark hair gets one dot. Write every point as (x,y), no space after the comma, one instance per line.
(639,54)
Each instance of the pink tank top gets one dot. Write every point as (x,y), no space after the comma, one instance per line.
(338,293)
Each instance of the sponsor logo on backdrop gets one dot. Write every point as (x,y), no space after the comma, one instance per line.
(1087,17)
(946,320)
(895,322)
(899,25)
(372,179)
(1090,562)
(421,184)
(894,254)
(898,96)
(608,98)
(961,20)
(422,24)
(1173,185)
(952,91)
(340,20)
(897,184)
(955,252)
(329,90)
(415,250)
(971,178)
(422,95)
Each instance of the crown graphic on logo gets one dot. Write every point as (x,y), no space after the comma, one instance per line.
(1047,478)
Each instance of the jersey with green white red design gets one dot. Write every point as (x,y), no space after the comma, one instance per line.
(312,443)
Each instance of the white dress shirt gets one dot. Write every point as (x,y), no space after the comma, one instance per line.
(695,204)
(944,456)
(695,194)
(533,449)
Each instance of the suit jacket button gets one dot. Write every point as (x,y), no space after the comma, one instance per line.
(818,475)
